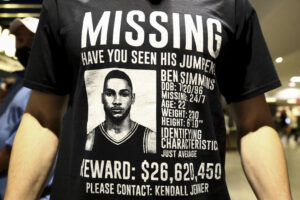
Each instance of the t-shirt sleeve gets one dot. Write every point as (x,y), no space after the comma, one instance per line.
(250,71)
(47,70)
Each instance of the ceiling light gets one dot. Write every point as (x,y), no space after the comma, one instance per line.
(292,101)
(296,112)
(288,93)
(271,100)
(292,84)
(295,79)
(7,43)
(279,60)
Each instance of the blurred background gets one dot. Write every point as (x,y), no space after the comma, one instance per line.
(280,24)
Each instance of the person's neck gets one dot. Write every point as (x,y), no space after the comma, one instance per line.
(124,126)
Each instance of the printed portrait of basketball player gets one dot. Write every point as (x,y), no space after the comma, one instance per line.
(117,98)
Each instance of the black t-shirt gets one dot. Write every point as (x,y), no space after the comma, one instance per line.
(163,64)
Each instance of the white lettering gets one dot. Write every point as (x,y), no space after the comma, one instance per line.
(140,31)
(87,28)
(192,31)
(163,31)
(214,37)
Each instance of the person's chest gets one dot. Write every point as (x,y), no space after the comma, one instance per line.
(183,27)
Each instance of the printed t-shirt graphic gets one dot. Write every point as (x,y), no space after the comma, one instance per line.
(137,129)
(179,56)
(178,90)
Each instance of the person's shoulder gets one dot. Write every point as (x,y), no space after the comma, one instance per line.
(138,125)
(150,134)
(90,138)
(150,139)
(243,3)
(244,7)
(98,127)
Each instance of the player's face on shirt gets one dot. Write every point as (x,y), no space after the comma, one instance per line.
(117,98)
